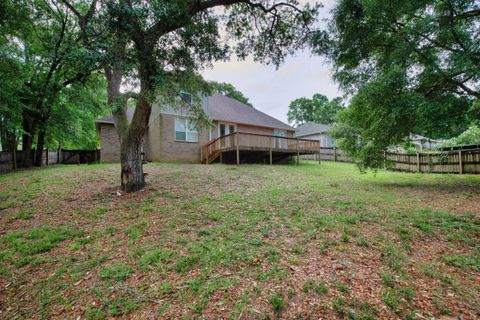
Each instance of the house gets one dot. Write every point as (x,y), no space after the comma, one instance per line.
(419,142)
(315,131)
(240,133)
(422,143)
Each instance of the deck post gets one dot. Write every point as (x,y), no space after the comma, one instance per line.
(201,154)
(460,161)
(298,154)
(271,156)
(238,150)
(206,155)
(221,153)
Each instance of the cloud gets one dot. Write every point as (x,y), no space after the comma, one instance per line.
(271,90)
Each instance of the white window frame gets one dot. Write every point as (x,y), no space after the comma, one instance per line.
(187,130)
(279,133)
(186,94)
(227,124)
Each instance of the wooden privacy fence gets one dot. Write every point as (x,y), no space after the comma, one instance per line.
(49,157)
(328,154)
(461,161)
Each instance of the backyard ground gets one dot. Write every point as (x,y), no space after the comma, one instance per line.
(249,242)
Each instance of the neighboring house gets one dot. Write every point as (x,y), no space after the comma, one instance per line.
(172,137)
(315,131)
(422,143)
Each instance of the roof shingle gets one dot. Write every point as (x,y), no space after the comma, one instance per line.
(223,108)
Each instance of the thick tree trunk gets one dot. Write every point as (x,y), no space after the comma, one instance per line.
(131,134)
(40,146)
(132,176)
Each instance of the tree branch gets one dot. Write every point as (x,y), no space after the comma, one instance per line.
(163,27)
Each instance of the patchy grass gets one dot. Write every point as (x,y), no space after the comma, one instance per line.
(248,242)
(116,272)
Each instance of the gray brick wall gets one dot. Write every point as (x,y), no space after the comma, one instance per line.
(109,143)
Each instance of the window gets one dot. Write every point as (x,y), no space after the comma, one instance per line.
(186,97)
(185,131)
(225,129)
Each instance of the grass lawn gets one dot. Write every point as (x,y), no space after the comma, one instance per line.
(249,242)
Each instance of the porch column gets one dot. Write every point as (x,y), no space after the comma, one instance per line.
(298,154)
(238,150)
(271,160)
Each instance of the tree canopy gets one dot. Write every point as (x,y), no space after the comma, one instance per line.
(409,67)
(230,91)
(317,109)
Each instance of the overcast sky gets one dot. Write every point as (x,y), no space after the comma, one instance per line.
(271,90)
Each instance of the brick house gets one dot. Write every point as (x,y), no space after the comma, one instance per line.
(171,137)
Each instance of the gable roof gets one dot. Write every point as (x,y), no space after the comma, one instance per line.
(311,128)
(223,108)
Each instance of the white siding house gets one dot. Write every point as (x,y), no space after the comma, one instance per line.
(315,131)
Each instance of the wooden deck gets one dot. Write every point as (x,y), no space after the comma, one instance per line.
(242,147)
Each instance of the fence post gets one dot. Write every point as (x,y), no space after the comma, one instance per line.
(418,162)
(334,154)
(385,160)
(460,161)
(238,150)
(46,157)
(319,150)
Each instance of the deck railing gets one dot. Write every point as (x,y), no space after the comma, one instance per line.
(256,142)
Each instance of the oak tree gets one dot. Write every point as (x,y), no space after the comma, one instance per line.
(408,66)
(156,48)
